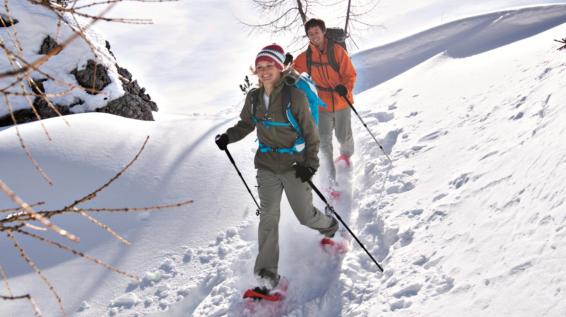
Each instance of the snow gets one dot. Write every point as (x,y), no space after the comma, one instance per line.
(470,222)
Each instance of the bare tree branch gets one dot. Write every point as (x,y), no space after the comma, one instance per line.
(78,253)
(36,270)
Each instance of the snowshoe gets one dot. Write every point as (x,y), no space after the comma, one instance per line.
(343,160)
(263,293)
(334,194)
(334,246)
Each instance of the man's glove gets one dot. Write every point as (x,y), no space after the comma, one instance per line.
(288,59)
(305,173)
(341,90)
(222,141)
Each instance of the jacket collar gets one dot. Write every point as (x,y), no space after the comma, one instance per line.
(324,45)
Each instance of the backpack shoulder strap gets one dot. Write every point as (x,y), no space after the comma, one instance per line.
(285,98)
(309,60)
(331,58)
(255,100)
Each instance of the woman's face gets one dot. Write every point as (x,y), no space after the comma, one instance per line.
(267,73)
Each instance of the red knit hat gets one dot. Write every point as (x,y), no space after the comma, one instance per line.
(272,53)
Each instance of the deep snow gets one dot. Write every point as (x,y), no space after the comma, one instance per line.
(471,221)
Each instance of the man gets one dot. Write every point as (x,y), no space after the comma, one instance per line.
(333,85)
(280,165)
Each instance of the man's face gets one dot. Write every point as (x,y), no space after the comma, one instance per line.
(316,36)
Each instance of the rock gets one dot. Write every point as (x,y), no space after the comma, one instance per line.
(94,77)
(129,106)
(36,85)
(6,21)
(27,115)
(133,88)
(49,45)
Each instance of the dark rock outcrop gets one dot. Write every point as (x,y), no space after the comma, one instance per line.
(48,45)
(94,77)
(27,115)
(129,106)
(133,88)
(135,103)
(6,21)
(36,86)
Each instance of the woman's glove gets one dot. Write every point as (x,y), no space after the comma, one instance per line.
(305,173)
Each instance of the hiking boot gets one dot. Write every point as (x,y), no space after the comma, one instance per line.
(268,279)
(331,230)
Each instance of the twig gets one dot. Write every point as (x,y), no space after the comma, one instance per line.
(36,309)
(78,253)
(24,147)
(18,201)
(5,280)
(93,194)
(19,208)
(126,209)
(36,270)
(562,41)
(103,226)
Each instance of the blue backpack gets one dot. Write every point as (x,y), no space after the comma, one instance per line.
(306,85)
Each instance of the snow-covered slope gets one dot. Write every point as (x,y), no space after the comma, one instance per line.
(471,222)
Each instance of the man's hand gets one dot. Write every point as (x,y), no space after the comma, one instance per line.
(341,90)
(222,141)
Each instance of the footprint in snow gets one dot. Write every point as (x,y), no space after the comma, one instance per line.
(383,116)
(401,304)
(408,291)
(433,136)
(460,180)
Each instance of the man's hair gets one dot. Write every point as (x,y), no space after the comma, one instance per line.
(315,23)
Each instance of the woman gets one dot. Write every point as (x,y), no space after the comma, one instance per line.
(281,161)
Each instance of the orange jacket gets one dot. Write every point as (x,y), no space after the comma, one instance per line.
(326,78)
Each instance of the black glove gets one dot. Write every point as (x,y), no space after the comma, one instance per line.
(222,141)
(288,59)
(341,90)
(305,173)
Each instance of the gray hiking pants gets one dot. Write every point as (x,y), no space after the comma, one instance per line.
(340,122)
(299,194)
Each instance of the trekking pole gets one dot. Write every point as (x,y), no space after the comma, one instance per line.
(242,177)
(329,207)
(365,125)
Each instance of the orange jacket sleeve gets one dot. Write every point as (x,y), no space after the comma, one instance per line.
(347,71)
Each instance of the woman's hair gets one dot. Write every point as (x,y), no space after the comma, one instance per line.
(315,23)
